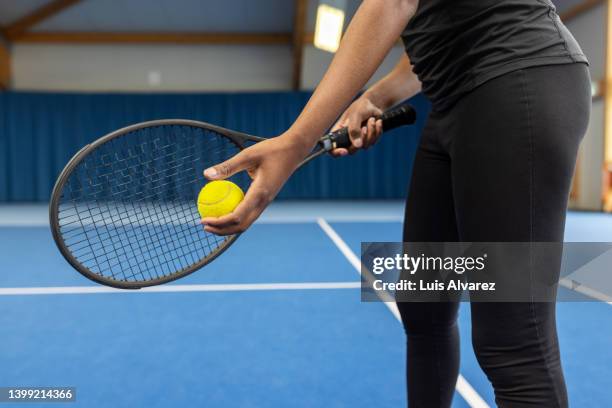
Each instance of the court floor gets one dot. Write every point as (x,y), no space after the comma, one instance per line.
(276,321)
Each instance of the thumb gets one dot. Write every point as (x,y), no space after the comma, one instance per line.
(228,168)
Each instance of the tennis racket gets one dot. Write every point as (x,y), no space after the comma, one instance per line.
(123,211)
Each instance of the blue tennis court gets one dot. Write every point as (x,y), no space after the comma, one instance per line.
(121,122)
(280,325)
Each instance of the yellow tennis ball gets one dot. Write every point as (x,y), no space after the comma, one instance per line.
(219,197)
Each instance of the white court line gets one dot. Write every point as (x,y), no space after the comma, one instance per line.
(297,219)
(585,290)
(469,394)
(352,258)
(289,212)
(228,287)
(464,388)
(274,219)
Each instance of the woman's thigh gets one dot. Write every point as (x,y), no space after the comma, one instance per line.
(513,149)
(430,217)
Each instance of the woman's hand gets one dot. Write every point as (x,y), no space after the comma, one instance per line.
(362,137)
(269,163)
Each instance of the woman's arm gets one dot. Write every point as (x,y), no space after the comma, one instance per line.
(400,84)
(372,32)
(374,29)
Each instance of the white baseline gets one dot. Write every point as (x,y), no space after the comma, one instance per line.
(222,287)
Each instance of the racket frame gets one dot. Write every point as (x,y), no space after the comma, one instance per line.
(239,139)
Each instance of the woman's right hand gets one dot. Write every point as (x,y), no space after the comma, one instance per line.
(362,137)
(269,163)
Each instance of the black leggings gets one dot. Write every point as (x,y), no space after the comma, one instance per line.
(496,167)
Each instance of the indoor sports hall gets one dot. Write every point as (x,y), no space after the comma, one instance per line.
(277,320)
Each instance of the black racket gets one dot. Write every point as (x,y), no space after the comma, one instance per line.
(123,211)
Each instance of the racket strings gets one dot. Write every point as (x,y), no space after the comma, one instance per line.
(162,255)
(128,211)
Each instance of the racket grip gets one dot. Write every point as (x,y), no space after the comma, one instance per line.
(401,115)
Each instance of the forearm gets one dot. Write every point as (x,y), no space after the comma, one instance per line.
(400,84)
(365,44)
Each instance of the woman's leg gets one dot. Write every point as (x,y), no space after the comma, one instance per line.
(513,148)
(431,328)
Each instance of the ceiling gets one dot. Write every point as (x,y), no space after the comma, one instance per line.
(159,15)
(171,15)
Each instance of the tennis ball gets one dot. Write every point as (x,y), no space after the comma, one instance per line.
(219,197)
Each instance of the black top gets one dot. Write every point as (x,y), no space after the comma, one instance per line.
(457,45)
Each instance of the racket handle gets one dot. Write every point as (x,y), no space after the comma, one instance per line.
(401,115)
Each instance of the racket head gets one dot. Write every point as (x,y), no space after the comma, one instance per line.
(123,211)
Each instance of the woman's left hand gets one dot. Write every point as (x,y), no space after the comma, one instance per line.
(269,163)
(362,110)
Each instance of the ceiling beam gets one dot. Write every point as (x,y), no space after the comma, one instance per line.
(308,39)
(22,25)
(157,38)
(5,66)
(579,8)
(299,28)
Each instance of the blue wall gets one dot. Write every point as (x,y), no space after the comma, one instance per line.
(39,132)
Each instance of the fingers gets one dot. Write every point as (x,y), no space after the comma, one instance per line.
(233,223)
(340,152)
(369,135)
(373,130)
(255,201)
(364,129)
(364,136)
(368,132)
(355,130)
(241,161)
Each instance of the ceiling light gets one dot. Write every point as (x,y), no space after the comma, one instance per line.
(328,28)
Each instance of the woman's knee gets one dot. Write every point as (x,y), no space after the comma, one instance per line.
(420,318)
(516,346)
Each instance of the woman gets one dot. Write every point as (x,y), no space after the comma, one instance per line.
(510,94)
